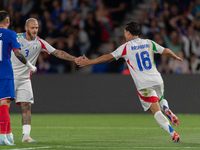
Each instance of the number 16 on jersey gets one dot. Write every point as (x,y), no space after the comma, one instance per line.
(143,60)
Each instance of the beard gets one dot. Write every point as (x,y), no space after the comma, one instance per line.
(32,37)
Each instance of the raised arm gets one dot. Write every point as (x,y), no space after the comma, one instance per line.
(84,61)
(171,54)
(63,55)
(21,57)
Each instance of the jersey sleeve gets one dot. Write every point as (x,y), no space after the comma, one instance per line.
(14,41)
(119,52)
(46,47)
(157,48)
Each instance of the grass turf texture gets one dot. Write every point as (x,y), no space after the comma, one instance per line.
(104,131)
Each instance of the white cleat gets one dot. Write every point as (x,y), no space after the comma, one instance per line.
(4,141)
(10,138)
(27,138)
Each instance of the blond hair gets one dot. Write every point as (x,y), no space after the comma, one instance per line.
(30,19)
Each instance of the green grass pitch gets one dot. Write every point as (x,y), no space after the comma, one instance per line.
(104,131)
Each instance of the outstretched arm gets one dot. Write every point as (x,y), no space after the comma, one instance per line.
(21,57)
(63,55)
(169,53)
(84,61)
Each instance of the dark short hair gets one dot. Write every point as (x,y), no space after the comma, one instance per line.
(133,28)
(3,15)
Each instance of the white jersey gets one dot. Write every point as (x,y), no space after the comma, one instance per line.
(139,56)
(31,50)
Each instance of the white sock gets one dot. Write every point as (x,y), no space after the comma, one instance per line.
(9,135)
(26,129)
(163,122)
(3,135)
(163,104)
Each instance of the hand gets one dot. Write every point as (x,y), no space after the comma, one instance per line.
(178,58)
(83,61)
(77,59)
(34,70)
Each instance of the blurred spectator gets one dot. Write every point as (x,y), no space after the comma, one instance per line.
(105,22)
(179,67)
(114,66)
(154,10)
(57,10)
(50,30)
(163,67)
(69,5)
(81,38)
(58,65)
(191,43)
(27,6)
(92,29)
(43,65)
(173,42)
(174,11)
(116,9)
(196,7)
(196,24)
(63,19)
(73,49)
(182,26)
(46,5)
(111,67)
(18,20)
(153,29)
(77,20)
(144,22)
(84,9)
(194,64)
(73,45)
(158,39)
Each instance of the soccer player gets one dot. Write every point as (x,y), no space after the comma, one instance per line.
(8,42)
(31,46)
(138,54)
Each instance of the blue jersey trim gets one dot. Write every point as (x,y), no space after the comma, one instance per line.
(24,36)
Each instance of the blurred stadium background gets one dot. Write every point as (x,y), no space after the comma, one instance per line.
(94,28)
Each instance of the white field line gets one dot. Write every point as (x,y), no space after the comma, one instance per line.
(114,128)
(101,147)
(29,148)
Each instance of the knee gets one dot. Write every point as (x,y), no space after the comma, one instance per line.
(26,107)
(6,102)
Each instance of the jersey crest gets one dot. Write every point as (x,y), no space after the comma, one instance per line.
(34,46)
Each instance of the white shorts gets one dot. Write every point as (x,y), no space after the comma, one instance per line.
(150,95)
(23,91)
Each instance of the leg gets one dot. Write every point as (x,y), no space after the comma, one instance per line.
(26,113)
(26,121)
(6,136)
(163,122)
(165,108)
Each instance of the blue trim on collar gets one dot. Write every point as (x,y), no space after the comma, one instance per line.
(26,38)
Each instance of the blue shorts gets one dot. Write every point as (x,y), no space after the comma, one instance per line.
(7,89)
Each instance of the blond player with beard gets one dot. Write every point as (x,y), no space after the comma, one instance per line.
(31,46)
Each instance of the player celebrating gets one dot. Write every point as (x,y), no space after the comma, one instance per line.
(31,46)
(138,54)
(8,42)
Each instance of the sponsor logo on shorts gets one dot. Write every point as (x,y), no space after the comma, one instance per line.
(31,99)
